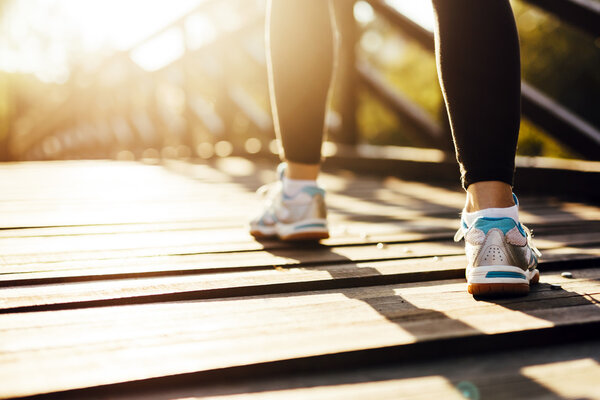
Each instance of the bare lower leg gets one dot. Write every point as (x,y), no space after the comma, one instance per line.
(302,171)
(488,194)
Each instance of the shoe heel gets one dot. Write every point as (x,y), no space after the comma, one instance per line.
(305,236)
(498,289)
(500,281)
(315,229)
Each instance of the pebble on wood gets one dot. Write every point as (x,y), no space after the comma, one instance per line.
(555,286)
(567,275)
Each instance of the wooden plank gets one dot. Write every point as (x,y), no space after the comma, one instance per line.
(574,378)
(344,229)
(85,246)
(261,282)
(112,265)
(407,388)
(219,305)
(237,254)
(379,200)
(79,348)
(353,210)
(564,371)
(62,195)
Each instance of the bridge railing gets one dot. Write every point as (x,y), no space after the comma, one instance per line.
(555,119)
(212,100)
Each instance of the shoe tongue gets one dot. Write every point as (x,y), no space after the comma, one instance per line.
(295,187)
(300,197)
(506,212)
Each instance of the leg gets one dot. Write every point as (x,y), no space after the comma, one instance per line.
(477,49)
(300,54)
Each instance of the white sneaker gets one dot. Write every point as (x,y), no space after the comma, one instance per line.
(501,258)
(299,217)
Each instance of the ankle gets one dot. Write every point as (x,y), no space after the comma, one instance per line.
(488,194)
(302,172)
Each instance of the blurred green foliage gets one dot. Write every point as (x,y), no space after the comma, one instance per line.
(558,59)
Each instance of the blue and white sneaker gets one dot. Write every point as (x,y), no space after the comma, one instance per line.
(501,258)
(299,217)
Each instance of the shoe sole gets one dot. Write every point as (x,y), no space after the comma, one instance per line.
(304,230)
(293,237)
(317,235)
(493,289)
(262,235)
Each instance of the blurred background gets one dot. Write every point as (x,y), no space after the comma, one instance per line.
(155,79)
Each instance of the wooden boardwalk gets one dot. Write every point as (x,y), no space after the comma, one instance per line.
(133,281)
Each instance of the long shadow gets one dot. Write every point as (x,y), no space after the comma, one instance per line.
(386,301)
(440,340)
(426,324)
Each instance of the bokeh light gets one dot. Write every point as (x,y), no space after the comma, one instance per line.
(135,79)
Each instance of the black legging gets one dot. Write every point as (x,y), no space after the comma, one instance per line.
(477,49)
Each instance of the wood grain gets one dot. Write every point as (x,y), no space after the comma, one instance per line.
(78,348)
(139,280)
(141,290)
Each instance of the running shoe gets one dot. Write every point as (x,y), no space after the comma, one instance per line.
(501,257)
(302,216)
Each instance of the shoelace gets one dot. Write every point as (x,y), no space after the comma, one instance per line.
(530,241)
(460,234)
(267,192)
(264,189)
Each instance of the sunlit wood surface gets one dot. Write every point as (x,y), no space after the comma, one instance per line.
(135,281)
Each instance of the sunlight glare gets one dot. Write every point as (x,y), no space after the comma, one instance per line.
(363,12)
(200,30)
(44,37)
(581,373)
(160,51)
(420,12)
